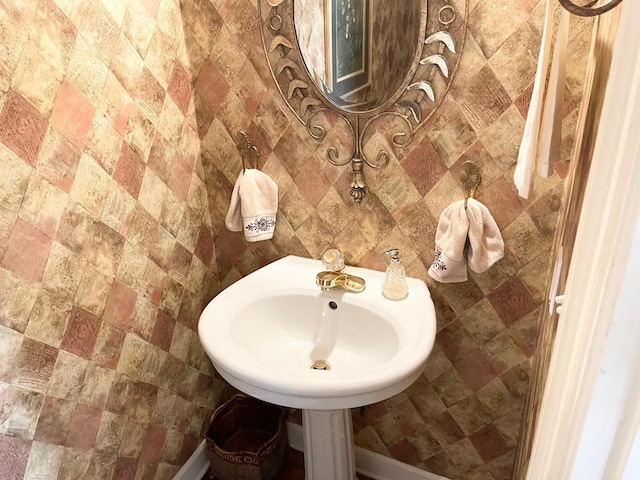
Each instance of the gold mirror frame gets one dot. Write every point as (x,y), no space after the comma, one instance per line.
(437,55)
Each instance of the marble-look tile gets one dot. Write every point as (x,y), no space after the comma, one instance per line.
(107,250)
(179,87)
(515,61)
(96,386)
(48,319)
(81,333)
(445,429)
(492,22)
(68,376)
(90,185)
(24,137)
(481,321)
(34,365)
(72,114)
(471,415)
(37,80)
(84,427)
(106,351)
(489,443)
(119,103)
(103,143)
(149,95)
(19,412)
(424,166)
(484,99)
(171,85)
(503,353)
(86,70)
(495,397)
(109,433)
(54,421)
(14,37)
(525,331)
(464,455)
(93,291)
(163,331)
(14,455)
(153,444)
(15,180)
(101,465)
(125,468)
(138,25)
(74,463)
(43,205)
(502,138)
(475,370)
(28,265)
(139,132)
(58,160)
(511,301)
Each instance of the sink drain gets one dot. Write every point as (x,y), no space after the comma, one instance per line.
(320,365)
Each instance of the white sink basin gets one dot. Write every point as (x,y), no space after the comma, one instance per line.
(264,332)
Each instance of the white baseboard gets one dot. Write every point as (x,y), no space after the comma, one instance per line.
(196,466)
(371,464)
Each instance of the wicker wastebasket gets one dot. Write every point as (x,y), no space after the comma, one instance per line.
(247,440)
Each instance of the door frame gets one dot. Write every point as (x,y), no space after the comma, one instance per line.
(575,434)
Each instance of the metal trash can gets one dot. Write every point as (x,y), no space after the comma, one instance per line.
(247,440)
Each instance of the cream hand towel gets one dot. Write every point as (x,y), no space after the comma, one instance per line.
(551,123)
(486,246)
(526,165)
(253,206)
(233,220)
(450,264)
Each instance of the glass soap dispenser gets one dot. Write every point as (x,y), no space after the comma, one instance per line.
(394,286)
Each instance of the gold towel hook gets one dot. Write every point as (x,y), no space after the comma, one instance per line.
(470,178)
(246,149)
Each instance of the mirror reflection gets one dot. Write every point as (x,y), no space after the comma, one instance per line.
(357,52)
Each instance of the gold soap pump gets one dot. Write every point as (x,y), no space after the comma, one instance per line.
(395,285)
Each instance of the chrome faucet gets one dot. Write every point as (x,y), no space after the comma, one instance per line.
(333,277)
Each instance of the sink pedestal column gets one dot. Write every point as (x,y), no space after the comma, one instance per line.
(328,445)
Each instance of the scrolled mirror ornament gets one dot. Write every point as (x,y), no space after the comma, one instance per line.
(589,10)
(435,57)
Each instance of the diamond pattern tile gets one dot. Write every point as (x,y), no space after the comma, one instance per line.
(117,122)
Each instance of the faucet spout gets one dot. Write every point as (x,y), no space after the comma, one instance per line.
(340,280)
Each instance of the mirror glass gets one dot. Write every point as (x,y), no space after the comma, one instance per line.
(358,52)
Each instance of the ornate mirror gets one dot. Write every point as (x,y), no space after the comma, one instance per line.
(376,65)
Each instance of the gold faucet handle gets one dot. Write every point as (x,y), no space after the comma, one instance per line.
(331,280)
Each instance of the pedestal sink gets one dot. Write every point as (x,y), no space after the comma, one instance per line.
(276,336)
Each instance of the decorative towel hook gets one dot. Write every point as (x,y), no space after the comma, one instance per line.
(470,178)
(246,149)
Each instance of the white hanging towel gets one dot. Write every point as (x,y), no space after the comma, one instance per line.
(540,141)
(450,264)
(551,127)
(486,246)
(253,206)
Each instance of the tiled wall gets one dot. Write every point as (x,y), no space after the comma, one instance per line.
(106,242)
(117,161)
(462,418)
